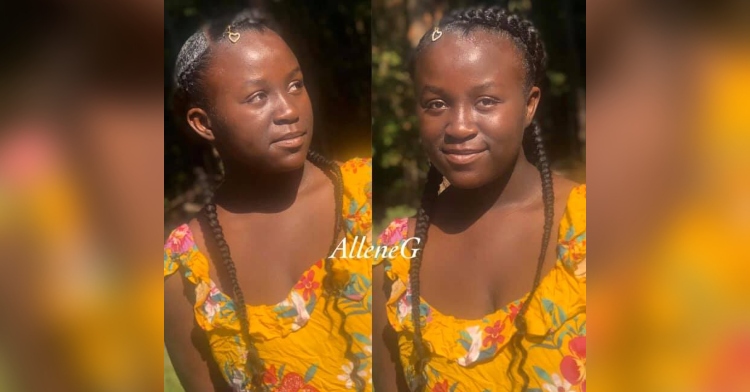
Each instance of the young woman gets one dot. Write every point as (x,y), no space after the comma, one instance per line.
(481,307)
(270,226)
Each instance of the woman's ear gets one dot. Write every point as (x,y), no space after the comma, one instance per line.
(531,103)
(198,120)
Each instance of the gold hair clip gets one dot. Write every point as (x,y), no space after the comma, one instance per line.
(436,34)
(232,35)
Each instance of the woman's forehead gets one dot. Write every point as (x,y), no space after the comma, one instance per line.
(478,54)
(253,46)
(254,55)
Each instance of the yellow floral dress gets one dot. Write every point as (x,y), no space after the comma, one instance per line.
(474,355)
(294,337)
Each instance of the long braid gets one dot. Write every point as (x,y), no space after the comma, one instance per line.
(253,364)
(549,215)
(419,355)
(333,171)
(534,58)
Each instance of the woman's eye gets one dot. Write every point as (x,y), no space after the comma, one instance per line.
(487,102)
(296,86)
(436,105)
(257,97)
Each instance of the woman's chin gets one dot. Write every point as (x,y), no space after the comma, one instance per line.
(291,161)
(466,180)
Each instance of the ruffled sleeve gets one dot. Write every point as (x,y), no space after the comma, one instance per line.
(393,235)
(571,249)
(396,268)
(561,294)
(177,252)
(357,182)
(181,254)
(355,272)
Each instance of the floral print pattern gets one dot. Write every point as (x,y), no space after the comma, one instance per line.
(557,385)
(180,241)
(471,340)
(293,382)
(556,321)
(281,381)
(307,284)
(573,366)
(493,336)
(395,232)
(295,307)
(346,375)
(404,309)
(283,333)
(441,387)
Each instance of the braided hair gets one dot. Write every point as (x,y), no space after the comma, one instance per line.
(191,64)
(528,42)
(196,54)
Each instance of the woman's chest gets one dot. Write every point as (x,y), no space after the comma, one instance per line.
(469,276)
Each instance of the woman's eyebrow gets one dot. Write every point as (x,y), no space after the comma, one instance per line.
(439,91)
(253,81)
(432,89)
(294,71)
(483,86)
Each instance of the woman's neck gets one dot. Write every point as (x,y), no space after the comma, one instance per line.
(517,188)
(246,190)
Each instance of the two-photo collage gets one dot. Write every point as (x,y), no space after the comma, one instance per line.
(374,196)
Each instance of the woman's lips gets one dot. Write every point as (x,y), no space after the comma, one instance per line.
(291,140)
(462,156)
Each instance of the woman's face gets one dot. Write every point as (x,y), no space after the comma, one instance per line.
(260,112)
(473,106)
